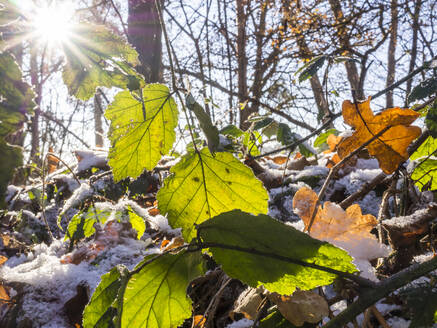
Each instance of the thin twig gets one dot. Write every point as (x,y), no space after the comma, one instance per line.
(334,170)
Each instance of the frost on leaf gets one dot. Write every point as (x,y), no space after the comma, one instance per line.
(139,134)
(390,148)
(348,229)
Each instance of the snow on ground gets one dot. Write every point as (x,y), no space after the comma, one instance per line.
(50,284)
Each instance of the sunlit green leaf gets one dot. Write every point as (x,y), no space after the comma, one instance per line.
(156,296)
(425,149)
(97,57)
(263,234)
(323,137)
(275,320)
(137,222)
(202,186)
(425,175)
(82,224)
(139,134)
(101,309)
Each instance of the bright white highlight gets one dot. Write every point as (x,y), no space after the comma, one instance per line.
(53,24)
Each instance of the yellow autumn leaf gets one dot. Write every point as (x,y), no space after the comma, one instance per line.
(390,149)
(348,229)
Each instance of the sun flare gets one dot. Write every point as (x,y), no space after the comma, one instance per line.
(53,23)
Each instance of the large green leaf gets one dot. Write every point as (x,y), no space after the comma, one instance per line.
(11,159)
(156,296)
(202,186)
(263,234)
(425,149)
(97,57)
(101,309)
(139,134)
(425,174)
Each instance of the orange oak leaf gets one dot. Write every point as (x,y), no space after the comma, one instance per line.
(390,149)
(348,229)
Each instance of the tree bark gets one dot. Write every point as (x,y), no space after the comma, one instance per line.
(242,62)
(342,33)
(392,52)
(144,33)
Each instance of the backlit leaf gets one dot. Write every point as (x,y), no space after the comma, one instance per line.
(425,149)
(390,149)
(140,135)
(97,57)
(82,224)
(101,309)
(202,186)
(322,138)
(137,222)
(425,175)
(156,296)
(264,234)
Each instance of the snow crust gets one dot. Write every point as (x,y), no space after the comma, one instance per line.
(90,158)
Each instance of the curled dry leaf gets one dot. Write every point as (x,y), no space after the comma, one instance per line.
(348,229)
(390,149)
(199,321)
(303,306)
(248,303)
(167,245)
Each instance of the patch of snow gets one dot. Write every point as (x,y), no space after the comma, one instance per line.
(79,195)
(346,134)
(298,225)
(404,221)
(310,171)
(11,191)
(51,284)
(398,322)
(243,323)
(369,164)
(89,159)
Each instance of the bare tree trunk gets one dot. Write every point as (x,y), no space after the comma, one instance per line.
(144,32)
(392,51)
(342,33)
(242,62)
(417,7)
(98,113)
(34,79)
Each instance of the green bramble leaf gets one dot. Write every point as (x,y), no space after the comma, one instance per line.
(231,130)
(311,68)
(97,57)
(202,186)
(81,225)
(155,297)
(323,137)
(139,134)
(102,308)
(264,234)
(425,89)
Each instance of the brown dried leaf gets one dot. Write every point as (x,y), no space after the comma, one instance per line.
(248,303)
(154,211)
(349,229)
(333,141)
(166,245)
(390,148)
(303,306)
(52,162)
